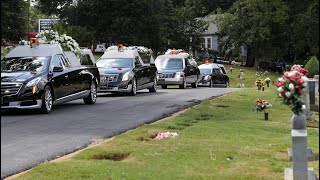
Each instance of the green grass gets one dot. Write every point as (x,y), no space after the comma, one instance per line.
(209,134)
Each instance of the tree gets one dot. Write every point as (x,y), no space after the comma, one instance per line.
(312,66)
(13,19)
(255,24)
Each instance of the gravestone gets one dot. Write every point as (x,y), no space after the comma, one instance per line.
(310,154)
(316,78)
(312,95)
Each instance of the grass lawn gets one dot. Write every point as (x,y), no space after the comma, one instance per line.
(218,139)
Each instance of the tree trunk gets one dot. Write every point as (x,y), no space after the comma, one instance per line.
(250,57)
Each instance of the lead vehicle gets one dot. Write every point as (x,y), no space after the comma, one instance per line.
(45,75)
(177,69)
(123,71)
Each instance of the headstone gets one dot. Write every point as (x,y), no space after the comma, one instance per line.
(310,154)
(288,174)
(312,95)
(306,100)
(316,78)
(299,153)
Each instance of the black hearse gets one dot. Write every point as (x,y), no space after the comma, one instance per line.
(42,76)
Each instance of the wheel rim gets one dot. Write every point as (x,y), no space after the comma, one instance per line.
(93,92)
(48,99)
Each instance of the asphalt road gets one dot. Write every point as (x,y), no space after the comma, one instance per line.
(29,138)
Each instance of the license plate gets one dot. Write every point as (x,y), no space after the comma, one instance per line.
(161,80)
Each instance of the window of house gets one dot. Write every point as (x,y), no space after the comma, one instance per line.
(209,42)
(203,43)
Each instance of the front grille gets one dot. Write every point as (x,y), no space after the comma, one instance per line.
(108,78)
(10,88)
(171,75)
(28,103)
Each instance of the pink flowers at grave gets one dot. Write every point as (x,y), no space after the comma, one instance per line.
(162,135)
(291,87)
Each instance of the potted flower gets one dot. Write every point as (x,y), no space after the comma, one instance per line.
(262,105)
(267,80)
(259,83)
(291,87)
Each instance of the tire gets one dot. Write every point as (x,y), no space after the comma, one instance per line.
(134,87)
(47,100)
(194,85)
(226,84)
(183,85)
(92,98)
(164,86)
(154,86)
(211,84)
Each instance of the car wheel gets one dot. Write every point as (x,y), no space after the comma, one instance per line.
(226,84)
(92,98)
(47,100)
(134,87)
(183,85)
(154,86)
(164,86)
(194,85)
(211,84)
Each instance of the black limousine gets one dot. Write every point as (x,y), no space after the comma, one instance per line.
(123,71)
(42,76)
(213,74)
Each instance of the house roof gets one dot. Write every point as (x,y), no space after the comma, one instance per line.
(212,29)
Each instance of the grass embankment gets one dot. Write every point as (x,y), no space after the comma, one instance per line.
(219,139)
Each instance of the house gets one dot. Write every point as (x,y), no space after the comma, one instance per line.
(210,36)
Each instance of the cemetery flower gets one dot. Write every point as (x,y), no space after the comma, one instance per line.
(267,80)
(291,87)
(259,82)
(261,105)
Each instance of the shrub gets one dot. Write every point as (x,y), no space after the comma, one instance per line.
(312,66)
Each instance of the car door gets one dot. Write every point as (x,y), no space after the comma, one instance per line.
(216,76)
(188,71)
(139,72)
(59,80)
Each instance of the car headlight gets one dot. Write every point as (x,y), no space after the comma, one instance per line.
(125,76)
(179,74)
(33,82)
(206,77)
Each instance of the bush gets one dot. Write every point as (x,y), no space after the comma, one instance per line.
(312,66)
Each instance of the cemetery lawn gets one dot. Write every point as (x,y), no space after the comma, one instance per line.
(218,139)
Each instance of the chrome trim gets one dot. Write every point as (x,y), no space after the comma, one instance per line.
(3,84)
(166,75)
(108,78)
(16,104)
(74,96)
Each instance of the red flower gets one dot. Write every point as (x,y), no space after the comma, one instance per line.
(278,84)
(300,81)
(283,94)
(293,78)
(300,90)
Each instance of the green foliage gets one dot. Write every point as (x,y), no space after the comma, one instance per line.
(312,66)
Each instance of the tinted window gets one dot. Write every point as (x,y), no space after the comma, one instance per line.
(56,61)
(37,64)
(216,71)
(223,70)
(169,63)
(86,60)
(115,63)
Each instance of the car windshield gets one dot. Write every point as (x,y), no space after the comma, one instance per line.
(169,63)
(216,71)
(35,64)
(205,71)
(115,63)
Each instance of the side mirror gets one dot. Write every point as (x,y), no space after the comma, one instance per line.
(57,69)
(152,64)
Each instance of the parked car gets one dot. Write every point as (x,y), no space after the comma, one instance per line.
(212,73)
(176,69)
(122,71)
(43,76)
(100,48)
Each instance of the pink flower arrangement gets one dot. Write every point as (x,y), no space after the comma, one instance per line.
(162,135)
(261,105)
(291,87)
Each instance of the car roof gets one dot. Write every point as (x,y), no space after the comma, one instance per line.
(173,56)
(210,66)
(39,50)
(120,54)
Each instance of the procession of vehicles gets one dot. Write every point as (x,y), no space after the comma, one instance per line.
(212,74)
(42,76)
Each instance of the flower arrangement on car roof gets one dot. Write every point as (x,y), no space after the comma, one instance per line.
(52,37)
(140,49)
(291,87)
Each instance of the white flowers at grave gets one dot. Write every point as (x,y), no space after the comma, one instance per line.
(52,37)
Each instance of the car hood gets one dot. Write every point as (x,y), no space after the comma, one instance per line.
(169,70)
(113,70)
(17,76)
